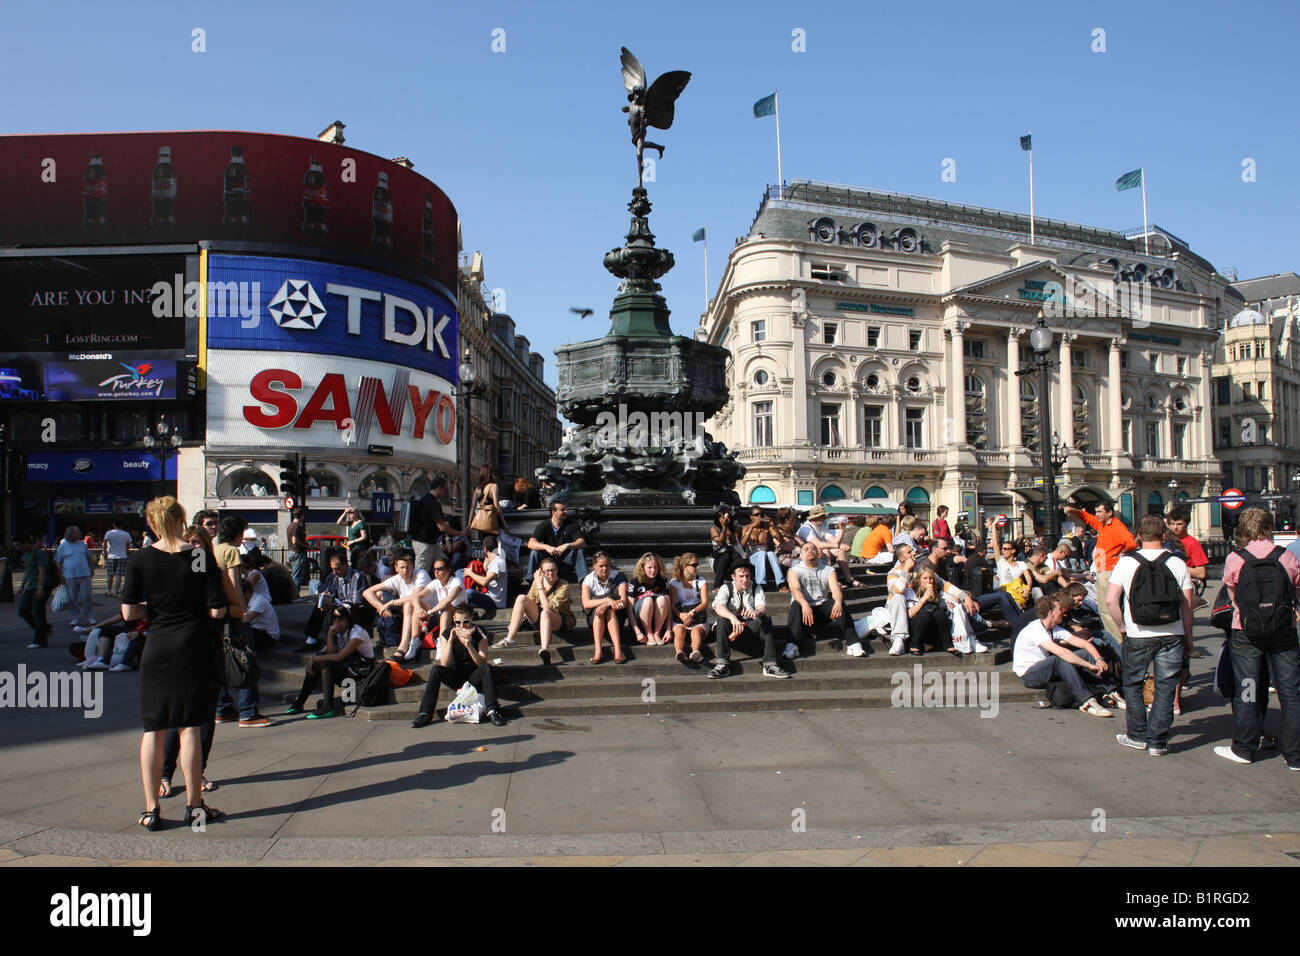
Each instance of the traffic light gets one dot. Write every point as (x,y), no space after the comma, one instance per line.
(289,476)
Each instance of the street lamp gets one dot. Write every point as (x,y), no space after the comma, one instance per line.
(162,441)
(1040,340)
(468,388)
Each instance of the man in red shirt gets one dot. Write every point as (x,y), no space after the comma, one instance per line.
(1113,540)
(1196,560)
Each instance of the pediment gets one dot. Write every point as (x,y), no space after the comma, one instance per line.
(1046,286)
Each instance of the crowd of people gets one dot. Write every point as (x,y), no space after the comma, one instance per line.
(1085,617)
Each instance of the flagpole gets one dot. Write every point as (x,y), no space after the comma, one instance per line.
(776,103)
(1146,234)
(706,273)
(1031,187)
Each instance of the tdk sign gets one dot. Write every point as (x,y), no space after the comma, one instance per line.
(333,310)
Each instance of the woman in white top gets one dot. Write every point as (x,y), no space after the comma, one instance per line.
(902,598)
(690,597)
(73,559)
(604,596)
(348,653)
(404,583)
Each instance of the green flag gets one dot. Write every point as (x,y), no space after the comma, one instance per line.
(1027,142)
(697,235)
(1130,180)
(765,107)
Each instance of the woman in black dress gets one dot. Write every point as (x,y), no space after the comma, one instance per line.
(179,588)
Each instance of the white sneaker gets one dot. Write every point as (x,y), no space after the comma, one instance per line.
(1094,709)
(981,648)
(118,668)
(791,651)
(1116,701)
(414,650)
(98,665)
(1124,740)
(80,630)
(1225,751)
(897,648)
(855,650)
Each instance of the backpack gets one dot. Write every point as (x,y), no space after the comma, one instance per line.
(1153,595)
(1266,599)
(1221,613)
(375,688)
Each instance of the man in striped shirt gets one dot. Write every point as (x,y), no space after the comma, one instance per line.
(343,585)
(1113,541)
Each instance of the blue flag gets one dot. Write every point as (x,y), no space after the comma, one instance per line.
(765,107)
(1027,142)
(1130,180)
(697,235)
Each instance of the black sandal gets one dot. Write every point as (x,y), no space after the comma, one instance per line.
(209,813)
(150,820)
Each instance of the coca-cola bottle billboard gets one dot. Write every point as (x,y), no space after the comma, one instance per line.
(381,216)
(315,203)
(163,191)
(94,198)
(237,195)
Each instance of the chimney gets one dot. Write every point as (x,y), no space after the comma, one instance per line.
(404,162)
(332,133)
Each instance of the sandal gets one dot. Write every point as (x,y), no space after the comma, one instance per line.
(209,813)
(596,660)
(916,653)
(150,820)
(165,788)
(620,660)
(208,785)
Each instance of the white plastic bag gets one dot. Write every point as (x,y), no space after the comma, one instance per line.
(59,600)
(120,645)
(467,706)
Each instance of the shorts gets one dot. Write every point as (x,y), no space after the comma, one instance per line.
(636,607)
(115,567)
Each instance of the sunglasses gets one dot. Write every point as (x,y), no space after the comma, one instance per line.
(693,564)
(440,567)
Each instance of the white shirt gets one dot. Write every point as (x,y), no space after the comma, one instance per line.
(117,541)
(419,581)
(366,648)
(684,596)
(809,532)
(497,589)
(1029,650)
(1122,575)
(599,590)
(436,592)
(1007,571)
(261,614)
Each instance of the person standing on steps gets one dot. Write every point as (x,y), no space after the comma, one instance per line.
(1113,540)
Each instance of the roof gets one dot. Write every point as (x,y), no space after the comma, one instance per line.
(1269,287)
(992,231)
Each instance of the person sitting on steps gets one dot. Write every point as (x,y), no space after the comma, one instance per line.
(462,658)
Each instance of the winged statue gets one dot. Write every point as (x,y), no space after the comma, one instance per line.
(649,107)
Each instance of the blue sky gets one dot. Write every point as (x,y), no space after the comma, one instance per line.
(532,148)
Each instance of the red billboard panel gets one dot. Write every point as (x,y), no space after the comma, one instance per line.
(134,188)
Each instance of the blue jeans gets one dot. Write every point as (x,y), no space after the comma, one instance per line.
(576,560)
(33,612)
(761,561)
(1251,668)
(248,697)
(1036,677)
(481,602)
(1138,653)
(999,599)
(298,568)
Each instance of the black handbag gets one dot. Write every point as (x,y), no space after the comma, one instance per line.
(238,669)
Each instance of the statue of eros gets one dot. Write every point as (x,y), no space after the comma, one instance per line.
(649,107)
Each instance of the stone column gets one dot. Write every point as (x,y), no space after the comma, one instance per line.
(1205,438)
(957,390)
(801,410)
(1114,401)
(1012,404)
(1065,415)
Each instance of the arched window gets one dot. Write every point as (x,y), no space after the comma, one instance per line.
(247,483)
(918,496)
(1082,420)
(323,484)
(762,495)
(1155,503)
(420,487)
(1029,415)
(831,493)
(875,491)
(375,481)
(977,413)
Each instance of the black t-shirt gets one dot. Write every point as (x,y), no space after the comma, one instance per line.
(545,533)
(459,655)
(298,536)
(427,514)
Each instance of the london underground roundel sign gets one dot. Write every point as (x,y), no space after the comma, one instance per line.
(1232,499)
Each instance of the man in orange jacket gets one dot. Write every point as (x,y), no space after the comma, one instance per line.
(1113,540)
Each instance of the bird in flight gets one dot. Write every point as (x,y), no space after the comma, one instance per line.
(581,313)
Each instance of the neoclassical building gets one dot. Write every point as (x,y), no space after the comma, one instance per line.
(876,340)
(1257,390)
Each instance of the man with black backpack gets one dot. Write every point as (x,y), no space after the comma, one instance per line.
(1263,580)
(1157,627)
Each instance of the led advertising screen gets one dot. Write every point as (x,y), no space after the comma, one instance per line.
(319,308)
(79,304)
(132,188)
(110,380)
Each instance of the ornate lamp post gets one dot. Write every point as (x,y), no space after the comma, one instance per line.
(1040,340)
(163,441)
(469,388)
